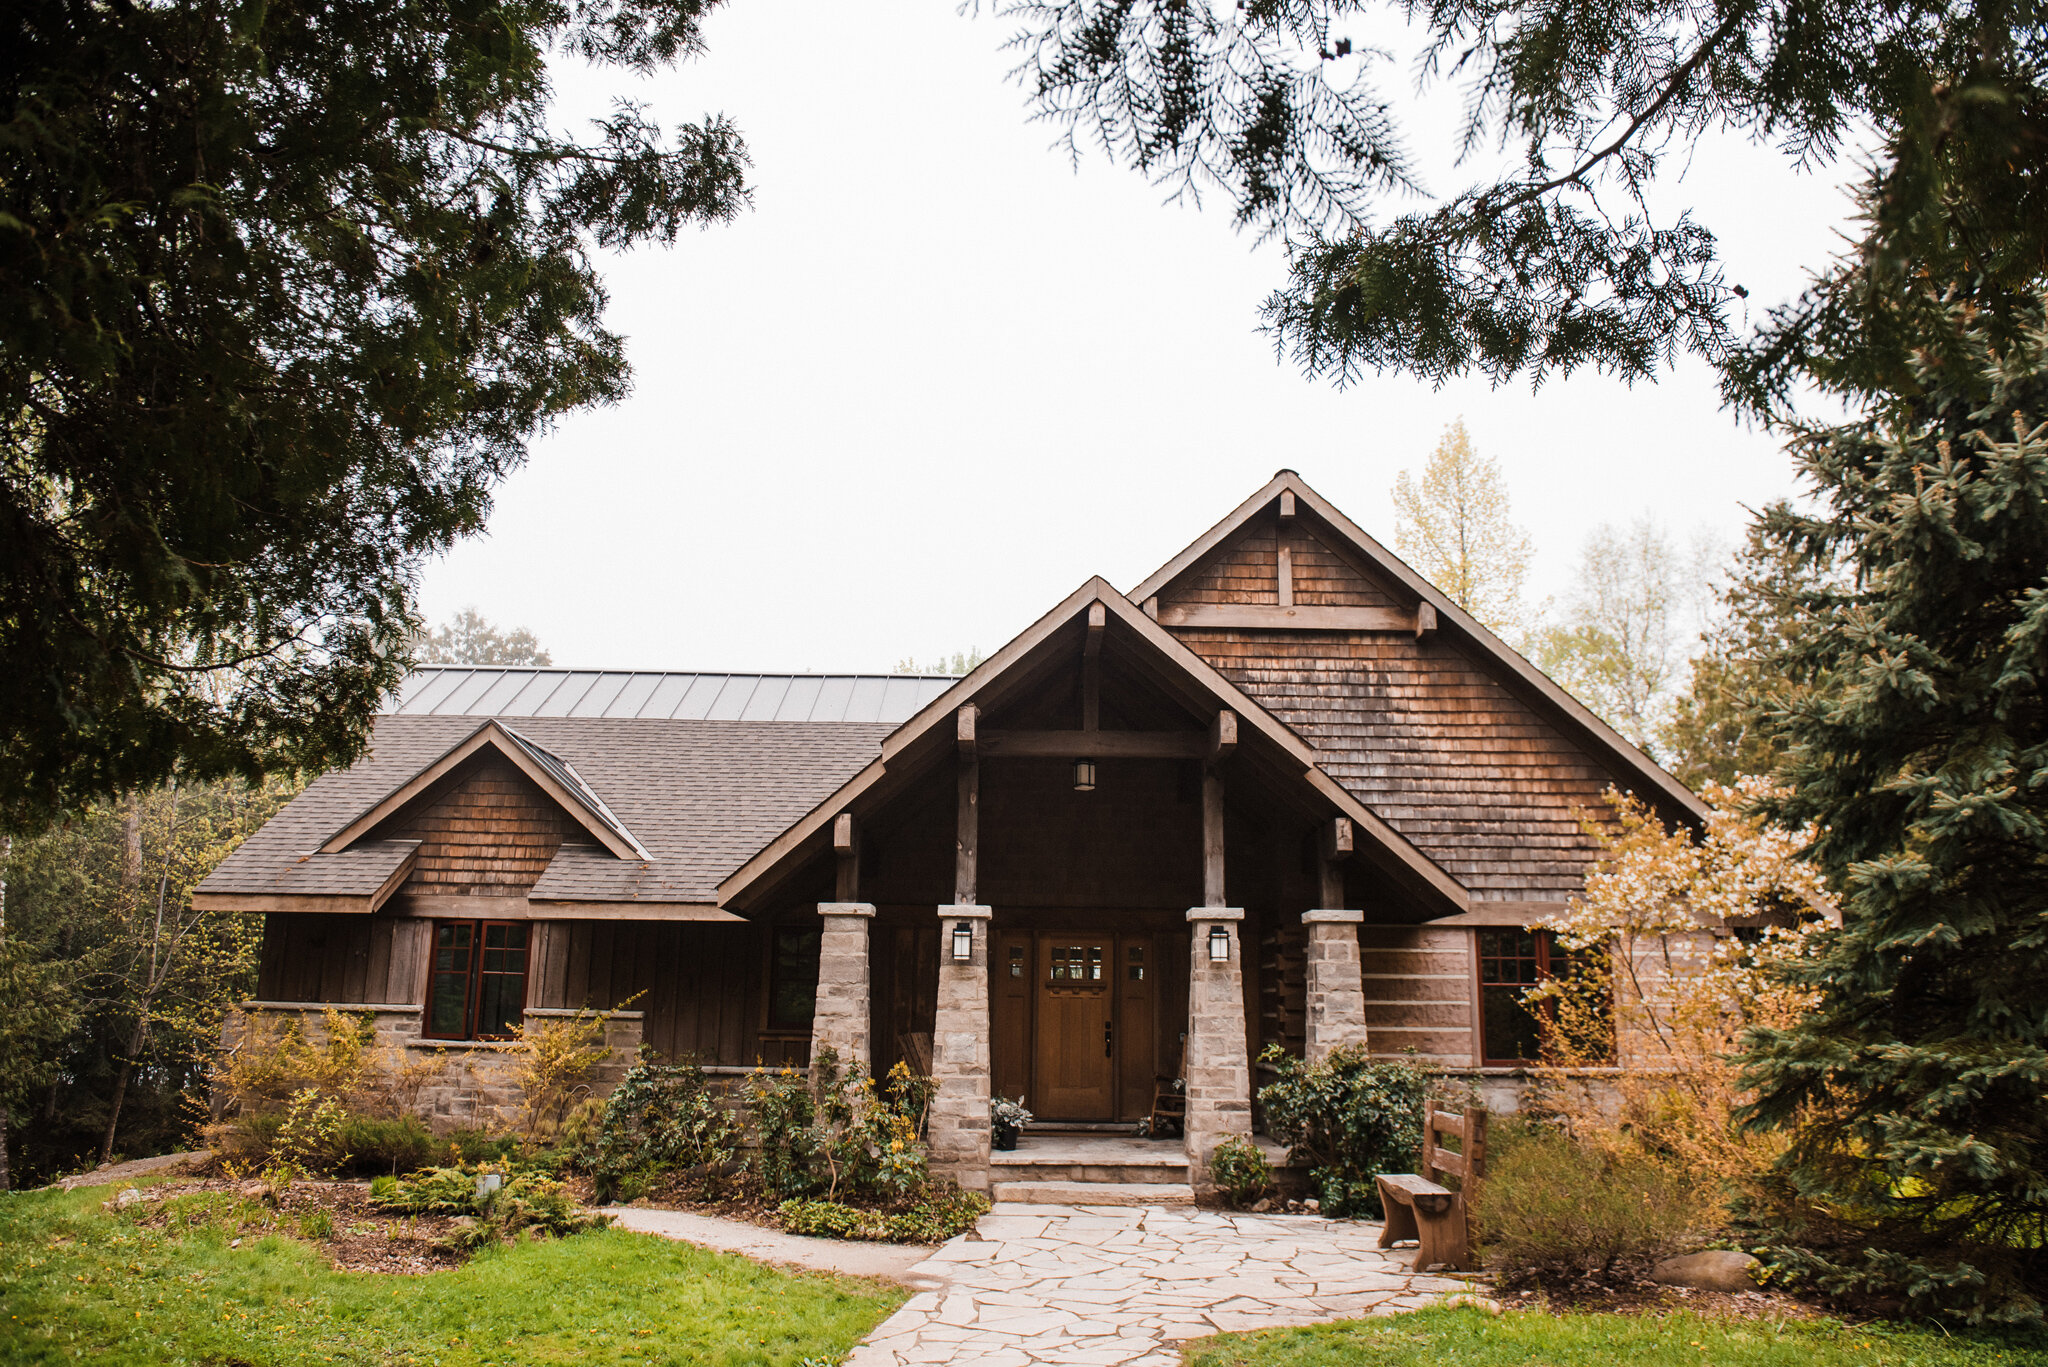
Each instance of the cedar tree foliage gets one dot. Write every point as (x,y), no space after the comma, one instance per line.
(1562,261)
(1914,723)
(285,288)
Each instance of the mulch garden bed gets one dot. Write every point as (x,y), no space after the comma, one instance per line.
(364,1238)
(1628,1290)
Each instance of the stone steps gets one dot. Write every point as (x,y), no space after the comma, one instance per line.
(1006,1167)
(1072,1170)
(1094,1193)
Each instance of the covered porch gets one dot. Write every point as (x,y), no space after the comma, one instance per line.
(1093,870)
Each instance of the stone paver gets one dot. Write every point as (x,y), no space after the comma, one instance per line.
(1112,1286)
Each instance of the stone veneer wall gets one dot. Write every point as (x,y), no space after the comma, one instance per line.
(473,1084)
(1219,1073)
(1334,1010)
(959,1129)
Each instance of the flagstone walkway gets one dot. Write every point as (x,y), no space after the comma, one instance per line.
(1104,1285)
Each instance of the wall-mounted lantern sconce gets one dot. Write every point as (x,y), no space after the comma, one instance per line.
(1219,945)
(963,942)
(1084,775)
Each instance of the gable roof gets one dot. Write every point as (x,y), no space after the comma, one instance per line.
(553,775)
(1596,734)
(697,796)
(1419,871)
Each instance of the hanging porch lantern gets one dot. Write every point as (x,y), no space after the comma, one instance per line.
(1084,775)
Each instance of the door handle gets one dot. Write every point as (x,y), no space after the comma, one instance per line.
(1109,1039)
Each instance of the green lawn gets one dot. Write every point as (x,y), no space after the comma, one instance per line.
(80,1285)
(1528,1338)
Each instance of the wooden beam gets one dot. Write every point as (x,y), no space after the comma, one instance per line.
(1152,607)
(1425,620)
(846,858)
(1212,839)
(1222,737)
(1270,617)
(1333,885)
(1091,668)
(1286,585)
(1095,745)
(1340,838)
(969,719)
(1286,504)
(967,837)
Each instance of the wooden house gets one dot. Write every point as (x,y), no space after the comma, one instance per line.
(1282,792)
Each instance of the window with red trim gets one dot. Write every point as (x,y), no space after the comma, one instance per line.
(476,986)
(1510,963)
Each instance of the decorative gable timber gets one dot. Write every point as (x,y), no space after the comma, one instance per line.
(1420,711)
(1013,669)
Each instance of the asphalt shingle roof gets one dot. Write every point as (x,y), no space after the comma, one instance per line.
(700,795)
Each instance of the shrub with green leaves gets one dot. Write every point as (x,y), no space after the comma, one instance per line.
(392,1147)
(1240,1170)
(500,1204)
(932,1219)
(836,1133)
(1350,1118)
(661,1118)
(1551,1204)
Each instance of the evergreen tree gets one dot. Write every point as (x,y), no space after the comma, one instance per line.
(1568,256)
(1718,728)
(285,289)
(1915,729)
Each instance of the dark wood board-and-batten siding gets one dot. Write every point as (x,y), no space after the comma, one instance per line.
(701,986)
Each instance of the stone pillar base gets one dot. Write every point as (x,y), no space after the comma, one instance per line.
(1219,1071)
(959,1134)
(839,1021)
(1336,992)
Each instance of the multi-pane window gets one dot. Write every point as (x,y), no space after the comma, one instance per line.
(793,978)
(477,986)
(1510,963)
(1077,963)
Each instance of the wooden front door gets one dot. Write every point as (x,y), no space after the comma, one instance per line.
(1076,1045)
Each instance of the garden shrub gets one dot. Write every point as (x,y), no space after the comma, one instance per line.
(1552,1204)
(1239,1168)
(932,1219)
(375,1145)
(661,1118)
(500,1204)
(1350,1118)
(835,1133)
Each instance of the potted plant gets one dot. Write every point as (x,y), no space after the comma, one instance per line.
(1006,1120)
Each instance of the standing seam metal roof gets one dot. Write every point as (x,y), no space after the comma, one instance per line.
(524,691)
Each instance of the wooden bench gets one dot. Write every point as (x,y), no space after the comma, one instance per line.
(1419,1208)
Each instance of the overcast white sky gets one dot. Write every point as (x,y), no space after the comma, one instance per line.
(937,377)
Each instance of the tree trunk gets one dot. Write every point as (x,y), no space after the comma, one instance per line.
(121,1090)
(6,1174)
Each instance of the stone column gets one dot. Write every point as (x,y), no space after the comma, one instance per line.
(1219,1071)
(1336,993)
(840,1019)
(960,1055)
